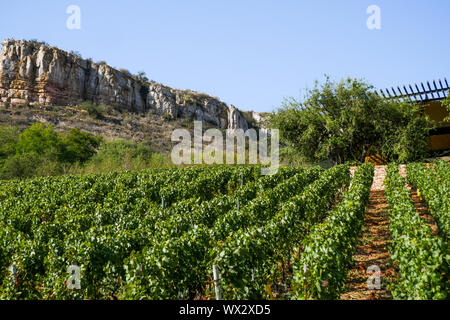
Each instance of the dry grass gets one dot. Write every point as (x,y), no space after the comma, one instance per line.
(112,125)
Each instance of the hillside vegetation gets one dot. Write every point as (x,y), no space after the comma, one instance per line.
(41,151)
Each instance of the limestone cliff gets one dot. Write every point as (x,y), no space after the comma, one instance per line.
(36,74)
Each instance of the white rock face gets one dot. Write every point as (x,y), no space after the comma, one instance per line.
(42,75)
(163,100)
(258,117)
(236,120)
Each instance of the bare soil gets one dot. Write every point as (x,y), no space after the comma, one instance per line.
(372,249)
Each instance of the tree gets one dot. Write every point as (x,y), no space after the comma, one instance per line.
(142,76)
(78,146)
(40,151)
(8,141)
(73,146)
(38,139)
(347,121)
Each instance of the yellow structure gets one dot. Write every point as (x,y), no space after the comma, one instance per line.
(430,96)
(439,138)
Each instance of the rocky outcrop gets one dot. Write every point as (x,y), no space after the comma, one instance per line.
(37,74)
(236,119)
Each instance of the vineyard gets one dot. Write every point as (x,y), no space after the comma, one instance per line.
(216,232)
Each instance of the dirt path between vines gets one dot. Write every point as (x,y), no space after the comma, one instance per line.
(372,249)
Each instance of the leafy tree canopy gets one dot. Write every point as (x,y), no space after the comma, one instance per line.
(39,139)
(346,121)
(79,146)
(8,141)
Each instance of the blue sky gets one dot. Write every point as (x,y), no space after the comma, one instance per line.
(248,53)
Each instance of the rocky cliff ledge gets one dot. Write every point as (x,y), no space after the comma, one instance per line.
(36,74)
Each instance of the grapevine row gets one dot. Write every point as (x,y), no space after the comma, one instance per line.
(421,260)
(248,256)
(40,235)
(321,270)
(177,267)
(434,185)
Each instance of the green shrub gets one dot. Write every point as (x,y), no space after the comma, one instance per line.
(8,140)
(122,155)
(94,110)
(38,139)
(141,76)
(20,166)
(40,151)
(78,146)
(167,116)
